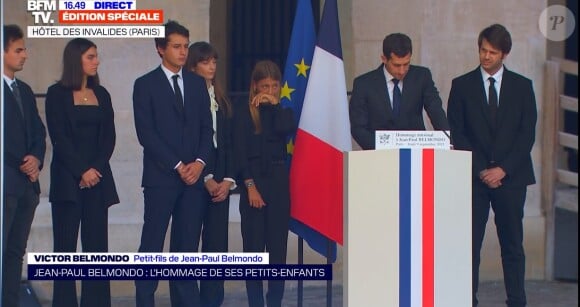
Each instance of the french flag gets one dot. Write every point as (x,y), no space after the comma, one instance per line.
(316,173)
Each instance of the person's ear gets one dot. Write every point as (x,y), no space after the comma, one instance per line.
(160,51)
(383,58)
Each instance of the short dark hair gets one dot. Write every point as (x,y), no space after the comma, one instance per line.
(72,64)
(171,27)
(497,36)
(397,43)
(11,33)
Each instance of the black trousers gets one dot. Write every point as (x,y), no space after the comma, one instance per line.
(214,240)
(508,206)
(90,215)
(266,229)
(185,207)
(17,220)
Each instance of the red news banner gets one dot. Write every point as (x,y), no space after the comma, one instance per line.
(93,18)
(111,17)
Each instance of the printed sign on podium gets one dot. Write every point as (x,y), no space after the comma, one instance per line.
(413,139)
(407,228)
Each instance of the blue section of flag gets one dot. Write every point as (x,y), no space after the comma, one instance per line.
(299,53)
(329,33)
(317,241)
(405,228)
(296,72)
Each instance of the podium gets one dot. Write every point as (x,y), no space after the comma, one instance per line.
(407,220)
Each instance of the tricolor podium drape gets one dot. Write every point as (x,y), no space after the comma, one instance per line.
(408,228)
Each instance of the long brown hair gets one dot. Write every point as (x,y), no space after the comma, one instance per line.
(203,51)
(72,64)
(262,70)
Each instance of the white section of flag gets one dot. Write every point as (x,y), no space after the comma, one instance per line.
(325,110)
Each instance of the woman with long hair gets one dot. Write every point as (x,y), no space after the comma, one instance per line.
(218,174)
(261,128)
(79,116)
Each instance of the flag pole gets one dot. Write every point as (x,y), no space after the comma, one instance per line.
(329,246)
(300,261)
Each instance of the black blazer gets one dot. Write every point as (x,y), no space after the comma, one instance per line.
(471,127)
(22,136)
(370,106)
(167,134)
(221,161)
(67,165)
(254,152)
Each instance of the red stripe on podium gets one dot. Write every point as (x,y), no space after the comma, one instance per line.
(428,228)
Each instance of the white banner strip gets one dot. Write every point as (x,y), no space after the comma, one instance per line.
(95,31)
(148,258)
(97,5)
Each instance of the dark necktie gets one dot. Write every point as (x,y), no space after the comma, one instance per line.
(492,101)
(178,95)
(396,98)
(16,93)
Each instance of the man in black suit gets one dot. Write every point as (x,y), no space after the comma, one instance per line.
(174,127)
(24,147)
(393,96)
(499,130)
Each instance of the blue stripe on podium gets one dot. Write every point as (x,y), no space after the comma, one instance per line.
(405,228)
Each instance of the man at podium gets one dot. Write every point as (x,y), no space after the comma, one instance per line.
(393,96)
(492,113)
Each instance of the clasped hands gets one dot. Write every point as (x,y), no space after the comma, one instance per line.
(492,176)
(31,167)
(190,172)
(264,98)
(90,178)
(218,191)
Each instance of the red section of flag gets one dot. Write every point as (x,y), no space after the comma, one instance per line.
(316,172)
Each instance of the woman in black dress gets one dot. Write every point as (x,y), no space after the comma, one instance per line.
(219,171)
(260,133)
(79,117)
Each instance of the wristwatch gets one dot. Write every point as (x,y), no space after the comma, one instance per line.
(249,184)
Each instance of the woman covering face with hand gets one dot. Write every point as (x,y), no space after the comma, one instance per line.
(261,127)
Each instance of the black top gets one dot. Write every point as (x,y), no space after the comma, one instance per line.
(265,147)
(87,131)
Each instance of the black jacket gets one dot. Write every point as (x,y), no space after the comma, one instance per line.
(471,127)
(22,136)
(67,165)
